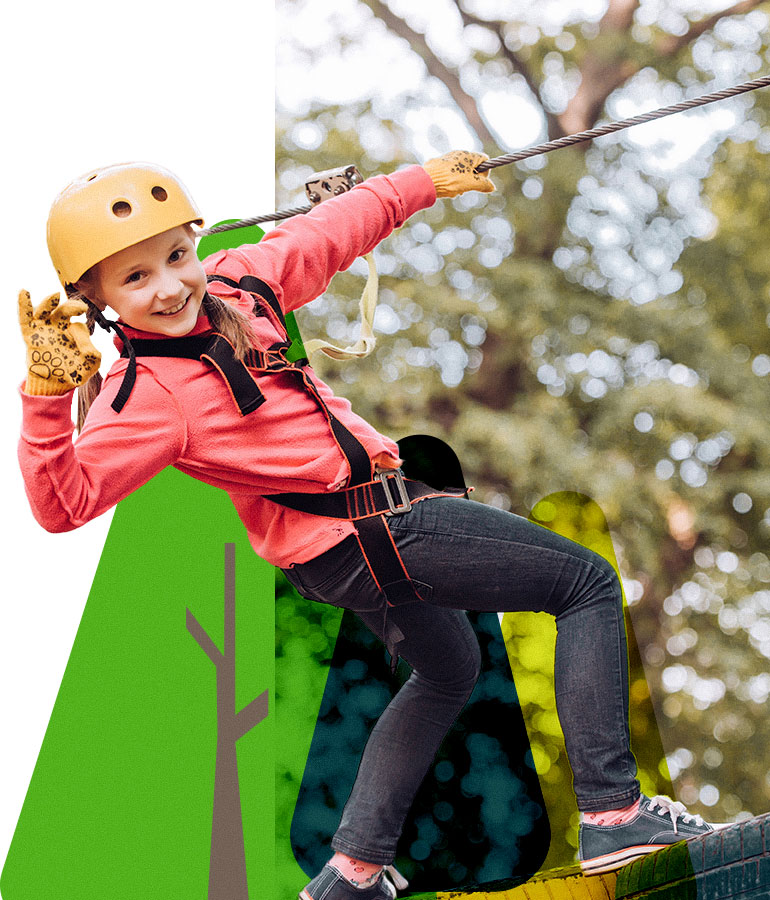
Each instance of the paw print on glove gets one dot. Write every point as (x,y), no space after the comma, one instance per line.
(45,365)
(463,163)
(455,173)
(60,355)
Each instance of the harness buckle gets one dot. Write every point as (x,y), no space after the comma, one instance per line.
(385,477)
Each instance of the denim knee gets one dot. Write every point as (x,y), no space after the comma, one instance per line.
(442,649)
(590,581)
(459,681)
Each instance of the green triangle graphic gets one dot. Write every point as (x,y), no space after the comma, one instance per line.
(120,802)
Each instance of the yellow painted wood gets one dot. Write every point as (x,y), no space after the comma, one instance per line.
(559,884)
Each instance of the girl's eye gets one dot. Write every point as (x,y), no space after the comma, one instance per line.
(176,255)
(133,277)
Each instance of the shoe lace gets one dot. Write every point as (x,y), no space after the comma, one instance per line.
(675,809)
(394,879)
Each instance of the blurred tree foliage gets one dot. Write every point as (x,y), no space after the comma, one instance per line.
(601,324)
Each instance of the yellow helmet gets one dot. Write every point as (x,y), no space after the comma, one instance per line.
(109,209)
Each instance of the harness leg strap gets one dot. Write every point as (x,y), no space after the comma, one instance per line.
(385,562)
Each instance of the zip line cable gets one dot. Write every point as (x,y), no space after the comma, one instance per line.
(256,220)
(566,141)
(611,127)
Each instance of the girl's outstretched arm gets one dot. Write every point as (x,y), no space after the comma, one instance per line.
(299,258)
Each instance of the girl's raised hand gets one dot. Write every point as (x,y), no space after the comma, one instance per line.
(60,355)
(455,173)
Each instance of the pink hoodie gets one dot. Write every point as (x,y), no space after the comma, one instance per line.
(181,413)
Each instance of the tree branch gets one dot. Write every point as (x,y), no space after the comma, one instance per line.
(601,75)
(601,72)
(518,65)
(619,16)
(251,715)
(437,68)
(606,67)
(672,44)
(204,641)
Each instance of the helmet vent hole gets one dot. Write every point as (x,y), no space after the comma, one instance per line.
(121,209)
(159,193)
(91,177)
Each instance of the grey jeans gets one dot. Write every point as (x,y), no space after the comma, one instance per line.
(467,556)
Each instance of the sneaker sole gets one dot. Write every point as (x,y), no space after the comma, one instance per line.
(611,861)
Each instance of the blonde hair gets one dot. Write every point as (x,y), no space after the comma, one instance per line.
(224,318)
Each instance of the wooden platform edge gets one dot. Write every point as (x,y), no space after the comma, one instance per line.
(729,864)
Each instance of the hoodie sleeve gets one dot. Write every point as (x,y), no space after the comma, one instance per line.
(69,483)
(299,258)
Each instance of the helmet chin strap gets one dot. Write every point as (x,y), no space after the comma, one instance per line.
(129,379)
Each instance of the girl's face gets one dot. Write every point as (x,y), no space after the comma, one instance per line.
(156,285)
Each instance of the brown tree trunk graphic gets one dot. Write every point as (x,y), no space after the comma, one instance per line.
(227,868)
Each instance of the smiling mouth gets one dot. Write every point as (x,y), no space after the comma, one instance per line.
(173,310)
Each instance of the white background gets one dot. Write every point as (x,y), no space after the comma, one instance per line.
(189,86)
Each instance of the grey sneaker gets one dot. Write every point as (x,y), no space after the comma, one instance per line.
(330,885)
(659,823)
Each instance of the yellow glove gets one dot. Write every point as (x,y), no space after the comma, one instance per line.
(60,355)
(453,173)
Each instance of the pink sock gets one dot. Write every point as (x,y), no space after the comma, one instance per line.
(612,816)
(359,873)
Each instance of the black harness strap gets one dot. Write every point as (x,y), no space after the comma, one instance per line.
(361,501)
(192,347)
(262,290)
(242,386)
(129,379)
(351,447)
(217,351)
(253,285)
(353,450)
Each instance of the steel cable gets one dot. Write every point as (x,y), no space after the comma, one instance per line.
(570,139)
(547,147)
(256,220)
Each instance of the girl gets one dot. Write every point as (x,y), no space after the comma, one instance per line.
(318,489)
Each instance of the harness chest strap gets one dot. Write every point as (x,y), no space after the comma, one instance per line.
(368,494)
